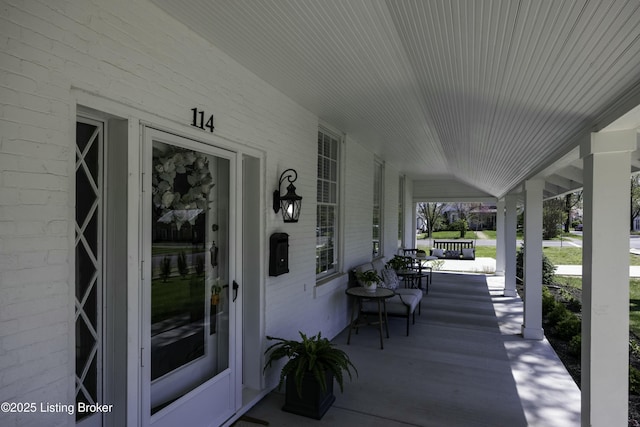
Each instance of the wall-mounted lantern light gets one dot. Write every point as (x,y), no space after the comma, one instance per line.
(290,203)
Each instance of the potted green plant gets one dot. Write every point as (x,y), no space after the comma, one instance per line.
(312,366)
(369,279)
(398,263)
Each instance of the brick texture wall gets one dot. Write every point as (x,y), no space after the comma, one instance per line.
(134,55)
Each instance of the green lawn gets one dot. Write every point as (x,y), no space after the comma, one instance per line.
(485,251)
(449,235)
(175,296)
(570,255)
(491,234)
(566,255)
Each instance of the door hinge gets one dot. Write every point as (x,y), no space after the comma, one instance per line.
(142,182)
(142,357)
(141,269)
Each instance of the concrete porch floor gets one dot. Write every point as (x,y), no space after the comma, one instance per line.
(464,364)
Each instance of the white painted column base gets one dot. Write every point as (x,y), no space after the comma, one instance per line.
(532,333)
(510,293)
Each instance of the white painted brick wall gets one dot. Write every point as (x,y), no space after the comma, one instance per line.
(134,55)
(359,202)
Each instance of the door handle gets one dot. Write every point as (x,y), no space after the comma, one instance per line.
(235,290)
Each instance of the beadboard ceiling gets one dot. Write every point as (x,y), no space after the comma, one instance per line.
(481,93)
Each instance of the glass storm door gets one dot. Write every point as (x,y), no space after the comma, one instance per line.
(188,315)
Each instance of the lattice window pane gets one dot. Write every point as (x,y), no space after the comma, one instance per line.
(87,263)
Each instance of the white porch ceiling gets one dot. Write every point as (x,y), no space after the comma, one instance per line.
(482,93)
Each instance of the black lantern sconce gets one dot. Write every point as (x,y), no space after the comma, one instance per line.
(290,203)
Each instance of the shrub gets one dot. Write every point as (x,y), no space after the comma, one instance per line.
(568,327)
(634,348)
(634,380)
(574,305)
(558,314)
(183,267)
(165,268)
(575,345)
(548,301)
(199,265)
(548,269)
(462,226)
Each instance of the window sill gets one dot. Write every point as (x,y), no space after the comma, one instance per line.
(327,285)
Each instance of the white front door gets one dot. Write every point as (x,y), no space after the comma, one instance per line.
(189,282)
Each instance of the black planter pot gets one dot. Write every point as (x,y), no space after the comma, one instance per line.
(314,402)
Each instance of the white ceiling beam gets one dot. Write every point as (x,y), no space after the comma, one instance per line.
(572,173)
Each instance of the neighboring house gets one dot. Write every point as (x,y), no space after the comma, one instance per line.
(479,216)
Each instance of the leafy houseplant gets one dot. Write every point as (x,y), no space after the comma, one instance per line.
(398,263)
(369,279)
(313,364)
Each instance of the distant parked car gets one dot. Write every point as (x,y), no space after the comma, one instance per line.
(578,227)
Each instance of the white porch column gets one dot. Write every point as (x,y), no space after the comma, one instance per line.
(509,243)
(605,277)
(500,240)
(414,224)
(532,326)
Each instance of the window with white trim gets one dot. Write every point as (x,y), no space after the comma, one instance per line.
(401,212)
(327,230)
(377,231)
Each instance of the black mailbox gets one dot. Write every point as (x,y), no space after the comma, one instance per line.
(278,254)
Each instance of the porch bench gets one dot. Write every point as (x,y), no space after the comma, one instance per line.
(402,304)
(453,249)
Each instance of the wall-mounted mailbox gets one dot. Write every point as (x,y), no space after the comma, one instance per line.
(278,254)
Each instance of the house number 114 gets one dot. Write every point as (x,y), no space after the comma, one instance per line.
(198,120)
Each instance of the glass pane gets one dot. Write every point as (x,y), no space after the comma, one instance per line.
(87,265)
(189,286)
(85,271)
(84,132)
(91,234)
(85,342)
(85,196)
(91,159)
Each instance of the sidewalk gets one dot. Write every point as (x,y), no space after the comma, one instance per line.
(488,266)
(576,270)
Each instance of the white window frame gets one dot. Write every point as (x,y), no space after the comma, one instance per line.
(378,192)
(401,220)
(339,211)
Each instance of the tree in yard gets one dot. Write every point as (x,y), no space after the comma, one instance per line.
(571,200)
(552,215)
(463,211)
(432,215)
(635,199)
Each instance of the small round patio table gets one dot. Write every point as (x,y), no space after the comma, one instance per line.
(380,295)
